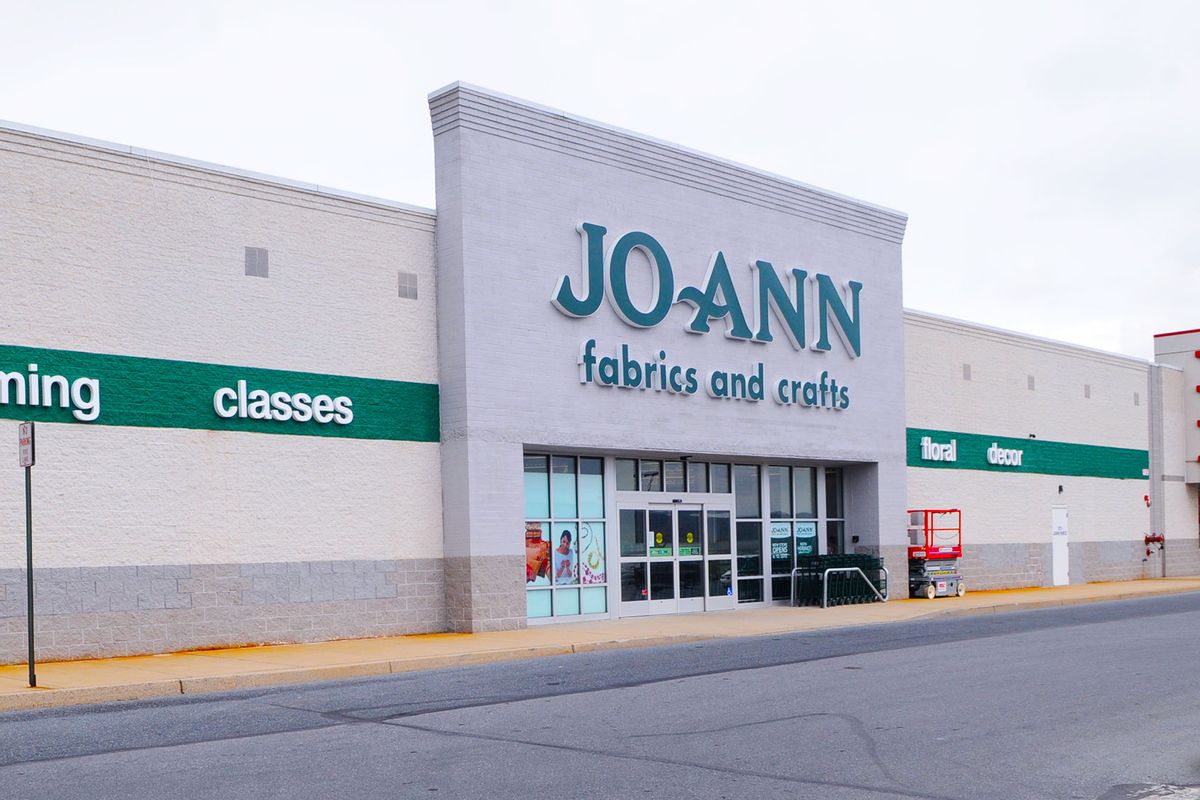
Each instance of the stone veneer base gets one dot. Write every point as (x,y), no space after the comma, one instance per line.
(96,612)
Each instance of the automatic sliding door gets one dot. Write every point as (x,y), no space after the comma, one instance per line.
(690,525)
(661,530)
(647,537)
(676,557)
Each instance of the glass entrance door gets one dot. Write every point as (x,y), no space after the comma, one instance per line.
(675,557)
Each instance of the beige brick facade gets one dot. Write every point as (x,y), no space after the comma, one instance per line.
(158,538)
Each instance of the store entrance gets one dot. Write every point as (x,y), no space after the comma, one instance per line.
(676,557)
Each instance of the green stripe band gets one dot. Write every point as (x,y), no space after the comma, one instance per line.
(1038,456)
(159,393)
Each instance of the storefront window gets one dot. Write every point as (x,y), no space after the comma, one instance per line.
(627,475)
(747,500)
(835,525)
(592,567)
(591,488)
(781,548)
(537,487)
(562,486)
(537,554)
(749,531)
(564,539)
(750,591)
(537,604)
(652,476)
(633,533)
(835,531)
(804,487)
(793,493)
(565,568)
(719,476)
(633,582)
(780,492)
(749,548)
(833,493)
(674,479)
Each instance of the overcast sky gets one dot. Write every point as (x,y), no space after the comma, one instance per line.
(1047,154)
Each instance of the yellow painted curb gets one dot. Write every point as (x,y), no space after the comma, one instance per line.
(480,657)
(55,698)
(259,673)
(1033,605)
(650,641)
(281,677)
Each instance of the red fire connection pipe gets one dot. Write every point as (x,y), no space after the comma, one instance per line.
(1156,539)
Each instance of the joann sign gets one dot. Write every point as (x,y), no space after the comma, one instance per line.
(783,299)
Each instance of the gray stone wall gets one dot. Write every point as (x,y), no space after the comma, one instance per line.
(1183,556)
(1005,566)
(1110,561)
(1008,566)
(485,593)
(90,612)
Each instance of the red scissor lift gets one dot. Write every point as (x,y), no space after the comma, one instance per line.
(934,550)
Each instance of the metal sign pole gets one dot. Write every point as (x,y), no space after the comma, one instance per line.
(29,566)
(25,456)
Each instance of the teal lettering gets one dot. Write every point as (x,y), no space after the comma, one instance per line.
(718,384)
(772,294)
(829,299)
(631,369)
(737,386)
(609,370)
(717,282)
(593,268)
(755,383)
(618,284)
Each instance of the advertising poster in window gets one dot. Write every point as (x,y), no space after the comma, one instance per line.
(806,538)
(565,564)
(591,553)
(781,541)
(537,555)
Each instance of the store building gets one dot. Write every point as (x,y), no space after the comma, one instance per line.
(608,377)
(1052,451)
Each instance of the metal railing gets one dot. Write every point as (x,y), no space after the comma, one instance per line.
(825,583)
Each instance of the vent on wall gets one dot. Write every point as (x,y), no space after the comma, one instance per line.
(1030,377)
(1087,391)
(1137,399)
(966,372)
(256,262)
(408,285)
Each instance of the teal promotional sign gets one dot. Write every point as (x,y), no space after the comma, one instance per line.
(781,534)
(806,538)
(100,389)
(955,450)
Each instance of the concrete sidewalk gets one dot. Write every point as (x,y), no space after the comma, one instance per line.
(139,677)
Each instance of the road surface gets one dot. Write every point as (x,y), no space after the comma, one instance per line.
(1086,702)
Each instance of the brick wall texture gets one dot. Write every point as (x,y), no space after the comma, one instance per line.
(87,612)
(150,540)
(1007,515)
(485,593)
